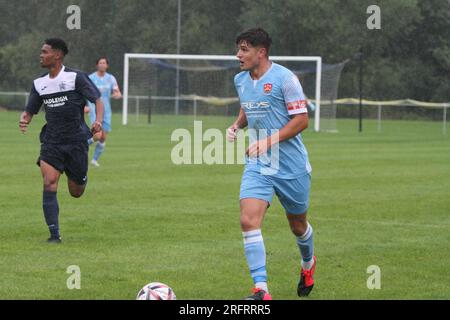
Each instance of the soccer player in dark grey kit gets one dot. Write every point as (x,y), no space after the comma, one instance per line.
(64,146)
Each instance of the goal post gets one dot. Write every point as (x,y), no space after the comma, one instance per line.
(149,77)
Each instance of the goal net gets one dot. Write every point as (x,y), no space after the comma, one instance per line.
(200,85)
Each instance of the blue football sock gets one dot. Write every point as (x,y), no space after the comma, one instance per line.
(99,148)
(306,244)
(255,253)
(51,212)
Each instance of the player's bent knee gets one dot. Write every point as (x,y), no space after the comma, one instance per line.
(50,184)
(298,224)
(77,191)
(298,231)
(249,222)
(252,213)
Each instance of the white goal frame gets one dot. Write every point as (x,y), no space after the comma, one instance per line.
(129,56)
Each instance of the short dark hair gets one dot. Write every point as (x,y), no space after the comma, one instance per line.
(57,44)
(102,58)
(257,37)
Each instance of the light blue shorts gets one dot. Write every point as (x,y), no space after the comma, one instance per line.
(106,123)
(292,193)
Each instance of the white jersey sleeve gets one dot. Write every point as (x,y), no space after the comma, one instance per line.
(294,96)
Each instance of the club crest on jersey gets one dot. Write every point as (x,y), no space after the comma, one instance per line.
(62,86)
(267,88)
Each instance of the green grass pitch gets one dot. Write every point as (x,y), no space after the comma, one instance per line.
(378,198)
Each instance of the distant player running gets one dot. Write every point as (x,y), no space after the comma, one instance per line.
(107,84)
(272,99)
(64,147)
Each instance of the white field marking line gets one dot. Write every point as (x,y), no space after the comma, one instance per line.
(390,223)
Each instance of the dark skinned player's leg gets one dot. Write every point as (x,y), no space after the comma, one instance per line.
(75,189)
(76,167)
(49,200)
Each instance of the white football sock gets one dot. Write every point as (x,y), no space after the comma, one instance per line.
(262,285)
(307,265)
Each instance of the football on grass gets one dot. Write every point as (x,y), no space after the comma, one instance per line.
(156,291)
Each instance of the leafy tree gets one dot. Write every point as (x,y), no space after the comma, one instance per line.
(408,58)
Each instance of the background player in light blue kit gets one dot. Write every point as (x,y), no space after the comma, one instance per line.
(272,100)
(107,84)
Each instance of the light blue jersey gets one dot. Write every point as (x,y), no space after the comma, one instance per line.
(268,104)
(106,85)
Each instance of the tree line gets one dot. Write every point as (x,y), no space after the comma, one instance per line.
(409,57)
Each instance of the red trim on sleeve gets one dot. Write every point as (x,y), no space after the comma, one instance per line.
(296,105)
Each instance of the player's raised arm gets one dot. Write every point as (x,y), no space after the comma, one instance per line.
(296,125)
(32,108)
(116,94)
(295,102)
(240,123)
(89,91)
(24,121)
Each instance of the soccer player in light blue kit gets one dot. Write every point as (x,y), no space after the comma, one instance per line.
(107,84)
(272,99)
